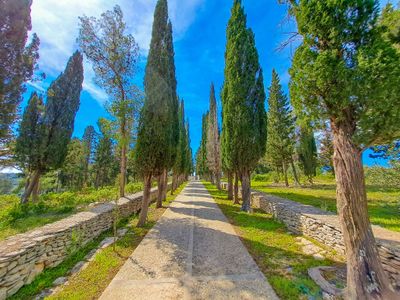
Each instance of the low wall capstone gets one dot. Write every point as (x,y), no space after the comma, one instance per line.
(324,227)
(24,256)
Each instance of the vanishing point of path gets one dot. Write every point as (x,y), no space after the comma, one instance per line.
(192,252)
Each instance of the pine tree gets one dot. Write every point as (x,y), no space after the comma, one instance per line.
(243,100)
(280,128)
(155,149)
(307,151)
(347,73)
(202,165)
(89,140)
(114,55)
(62,103)
(17,61)
(213,142)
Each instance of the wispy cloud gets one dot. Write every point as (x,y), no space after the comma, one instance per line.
(56,23)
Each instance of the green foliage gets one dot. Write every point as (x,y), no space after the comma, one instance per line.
(381,176)
(74,168)
(280,126)
(345,72)
(307,151)
(158,132)
(201,157)
(28,148)
(89,143)
(243,97)
(390,21)
(213,140)
(17,60)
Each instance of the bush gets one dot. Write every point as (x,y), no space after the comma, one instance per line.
(381,176)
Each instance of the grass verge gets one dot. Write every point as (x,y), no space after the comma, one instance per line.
(275,250)
(383,203)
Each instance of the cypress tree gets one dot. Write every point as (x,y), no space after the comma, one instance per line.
(89,140)
(307,151)
(347,73)
(243,100)
(204,172)
(17,61)
(213,142)
(154,148)
(280,128)
(28,148)
(73,169)
(62,103)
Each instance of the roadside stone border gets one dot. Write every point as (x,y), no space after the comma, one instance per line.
(24,256)
(324,227)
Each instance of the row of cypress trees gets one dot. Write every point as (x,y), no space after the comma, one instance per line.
(163,134)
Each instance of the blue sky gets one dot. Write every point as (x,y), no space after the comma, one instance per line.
(199,35)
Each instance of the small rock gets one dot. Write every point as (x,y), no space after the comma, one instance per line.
(107,242)
(318,256)
(90,255)
(121,232)
(44,294)
(60,281)
(77,267)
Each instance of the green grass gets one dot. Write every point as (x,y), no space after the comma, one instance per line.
(15,219)
(92,281)
(383,202)
(274,250)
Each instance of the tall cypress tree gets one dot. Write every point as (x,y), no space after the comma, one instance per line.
(280,128)
(63,97)
(88,140)
(243,100)
(347,73)
(154,148)
(30,135)
(213,141)
(17,61)
(307,151)
(202,165)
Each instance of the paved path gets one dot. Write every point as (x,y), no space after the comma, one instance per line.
(191,253)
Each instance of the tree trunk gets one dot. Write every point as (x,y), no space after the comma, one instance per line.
(165,185)
(236,189)
(230,186)
(35,192)
(218,181)
(145,201)
(33,180)
(366,278)
(285,173)
(122,172)
(246,203)
(160,190)
(296,178)
(174,180)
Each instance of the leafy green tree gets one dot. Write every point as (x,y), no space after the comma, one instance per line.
(155,149)
(213,142)
(17,60)
(56,126)
(114,55)
(89,141)
(390,20)
(307,151)
(73,171)
(280,128)
(105,163)
(346,71)
(243,100)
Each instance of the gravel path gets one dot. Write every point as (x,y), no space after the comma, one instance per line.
(192,252)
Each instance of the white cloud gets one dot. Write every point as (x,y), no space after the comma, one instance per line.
(56,23)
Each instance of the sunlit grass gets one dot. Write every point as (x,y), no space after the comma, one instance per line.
(383,203)
(274,249)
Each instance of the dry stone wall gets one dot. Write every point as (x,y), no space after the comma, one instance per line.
(325,228)
(24,256)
